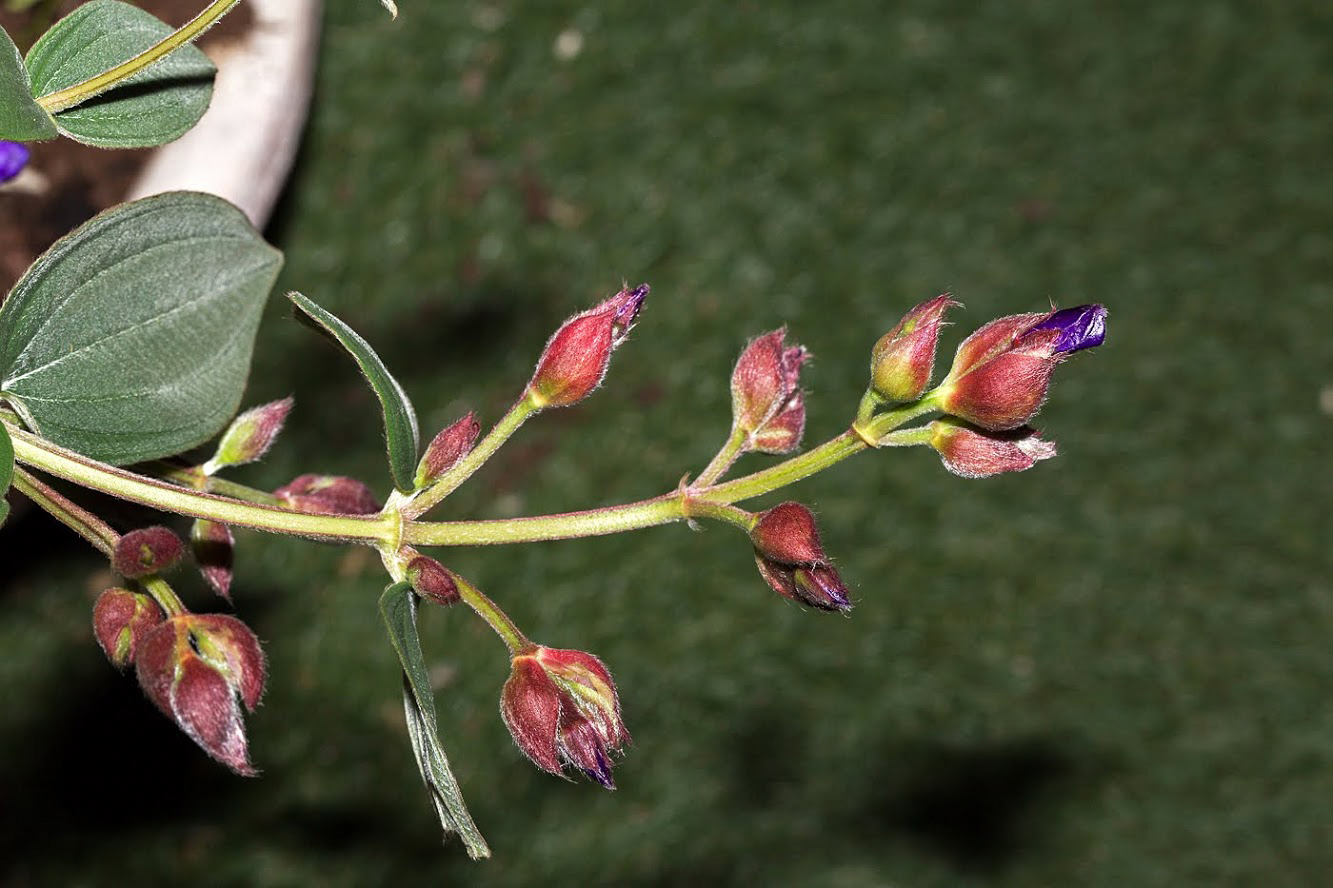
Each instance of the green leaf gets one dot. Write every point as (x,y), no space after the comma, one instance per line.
(400,420)
(130,338)
(156,105)
(6,470)
(21,118)
(398,606)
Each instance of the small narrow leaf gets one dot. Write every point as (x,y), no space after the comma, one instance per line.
(398,606)
(21,118)
(400,420)
(155,106)
(130,338)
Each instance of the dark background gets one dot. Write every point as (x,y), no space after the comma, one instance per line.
(1112,670)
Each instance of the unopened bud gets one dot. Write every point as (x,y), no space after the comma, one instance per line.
(121,619)
(145,551)
(448,447)
(328,495)
(576,357)
(976,453)
(250,435)
(782,433)
(1002,372)
(902,361)
(791,558)
(432,580)
(765,381)
(214,549)
(199,669)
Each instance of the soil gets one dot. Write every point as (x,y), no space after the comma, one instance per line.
(66,183)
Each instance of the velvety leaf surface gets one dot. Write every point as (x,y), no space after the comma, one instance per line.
(131,337)
(21,118)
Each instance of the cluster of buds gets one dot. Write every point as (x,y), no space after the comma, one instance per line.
(767,404)
(791,558)
(561,709)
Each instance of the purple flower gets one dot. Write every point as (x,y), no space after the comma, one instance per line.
(13,157)
(1081,327)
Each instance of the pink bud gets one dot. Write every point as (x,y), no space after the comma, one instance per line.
(145,551)
(791,558)
(214,547)
(576,357)
(328,495)
(121,619)
(561,708)
(976,453)
(782,433)
(449,446)
(198,669)
(902,360)
(250,435)
(432,580)
(765,381)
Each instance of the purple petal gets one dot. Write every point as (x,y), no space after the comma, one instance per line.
(1081,327)
(13,157)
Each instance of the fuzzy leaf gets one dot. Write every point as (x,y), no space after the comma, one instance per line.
(155,106)
(21,118)
(398,606)
(130,338)
(400,420)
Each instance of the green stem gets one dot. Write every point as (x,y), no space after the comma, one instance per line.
(870,402)
(733,515)
(447,483)
(496,618)
(77,519)
(164,595)
(70,96)
(41,454)
(189,476)
(724,458)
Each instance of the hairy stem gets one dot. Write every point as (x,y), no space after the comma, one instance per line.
(70,96)
(724,459)
(496,618)
(76,518)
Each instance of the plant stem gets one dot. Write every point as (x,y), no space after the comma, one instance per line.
(447,483)
(70,96)
(77,519)
(723,460)
(189,476)
(496,618)
(164,595)
(41,454)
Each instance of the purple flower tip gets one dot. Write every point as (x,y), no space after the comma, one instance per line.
(1081,327)
(13,157)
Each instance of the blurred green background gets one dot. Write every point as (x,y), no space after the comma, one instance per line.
(1112,670)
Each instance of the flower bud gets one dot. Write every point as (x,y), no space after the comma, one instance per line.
(1002,372)
(562,709)
(214,548)
(328,495)
(121,619)
(145,551)
(250,435)
(448,447)
(791,558)
(765,382)
(13,158)
(576,357)
(198,669)
(902,360)
(975,453)
(782,433)
(432,580)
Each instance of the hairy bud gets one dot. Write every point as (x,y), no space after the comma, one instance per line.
(250,435)
(576,357)
(791,559)
(121,619)
(214,550)
(902,361)
(976,453)
(448,447)
(328,495)
(432,580)
(146,551)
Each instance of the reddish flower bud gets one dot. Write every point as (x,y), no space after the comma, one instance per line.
(448,447)
(976,453)
(576,357)
(902,361)
(1002,372)
(249,436)
(214,548)
(145,551)
(765,382)
(562,709)
(198,669)
(791,558)
(432,580)
(121,619)
(328,495)
(782,433)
